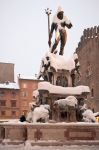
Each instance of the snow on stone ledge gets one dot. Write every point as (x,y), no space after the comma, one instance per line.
(9,85)
(14,123)
(58,62)
(63,90)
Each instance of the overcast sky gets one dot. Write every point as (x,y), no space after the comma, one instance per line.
(24,32)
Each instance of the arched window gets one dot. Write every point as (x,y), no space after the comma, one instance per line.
(92,92)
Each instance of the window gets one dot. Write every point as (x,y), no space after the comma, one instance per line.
(24,94)
(2,103)
(92,92)
(2,93)
(3,113)
(25,104)
(13,113)
(24,85)
(13,94)
(13,103)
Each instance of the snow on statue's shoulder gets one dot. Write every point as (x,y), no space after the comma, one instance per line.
(59,62)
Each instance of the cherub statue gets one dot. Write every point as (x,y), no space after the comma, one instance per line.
(60,21)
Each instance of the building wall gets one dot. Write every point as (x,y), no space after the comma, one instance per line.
(6,72)
(27,86)
(9,103)
(13,103)
(88,54)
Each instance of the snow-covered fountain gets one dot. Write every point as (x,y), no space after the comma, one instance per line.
(60,113)
(59,88)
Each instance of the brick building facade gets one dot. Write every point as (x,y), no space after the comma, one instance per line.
(27,86)
(15,97)
(88,53)
(9,100)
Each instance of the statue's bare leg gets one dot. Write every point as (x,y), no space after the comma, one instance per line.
(63,39)
(55,45)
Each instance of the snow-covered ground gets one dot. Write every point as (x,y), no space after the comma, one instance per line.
(73,147)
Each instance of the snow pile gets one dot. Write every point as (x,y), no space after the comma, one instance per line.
(13,120)
(46,106)
(63,90)
(28,146)
(96,114)
(58,62)
(88,116)
(70,101)
(9,121)
(40,112)
(9,85)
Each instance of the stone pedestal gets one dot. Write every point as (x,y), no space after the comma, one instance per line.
(50,134)
(15,134)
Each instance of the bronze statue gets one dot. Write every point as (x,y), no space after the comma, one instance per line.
(59,23)
(45,71)
(76,70)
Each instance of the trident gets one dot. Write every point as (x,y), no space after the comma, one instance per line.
(48,12)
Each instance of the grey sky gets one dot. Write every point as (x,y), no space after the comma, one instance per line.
(24,33)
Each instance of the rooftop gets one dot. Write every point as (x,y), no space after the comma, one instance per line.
(9,85)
